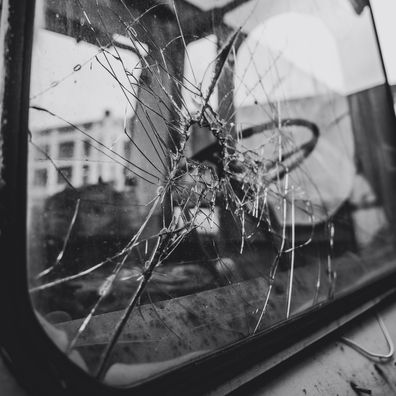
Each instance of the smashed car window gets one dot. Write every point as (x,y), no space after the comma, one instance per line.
(200,171)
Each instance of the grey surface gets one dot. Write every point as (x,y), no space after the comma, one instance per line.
(330,368)
(336,369)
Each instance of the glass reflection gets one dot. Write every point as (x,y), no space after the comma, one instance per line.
(198,175)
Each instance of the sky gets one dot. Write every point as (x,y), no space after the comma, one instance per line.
(93,90)
(68,80)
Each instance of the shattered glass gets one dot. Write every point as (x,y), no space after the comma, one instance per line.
(200,171)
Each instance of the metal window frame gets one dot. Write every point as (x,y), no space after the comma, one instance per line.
(36,362)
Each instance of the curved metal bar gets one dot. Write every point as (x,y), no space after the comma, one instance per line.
(378,357)
(212,152)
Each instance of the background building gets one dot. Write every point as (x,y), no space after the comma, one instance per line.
(82,154)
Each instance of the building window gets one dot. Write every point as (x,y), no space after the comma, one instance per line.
(66,129)
(66,150)
(41,153)
(65,172)
(40,177)
(87,148)
(45,148)
(127,149)
(85,175)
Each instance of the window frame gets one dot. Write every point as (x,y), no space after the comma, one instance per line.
(69,145)
(65,173)
(34,359)
(40,177)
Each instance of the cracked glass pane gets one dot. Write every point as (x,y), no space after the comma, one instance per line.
(200,171)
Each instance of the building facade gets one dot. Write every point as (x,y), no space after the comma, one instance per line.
(78,155)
